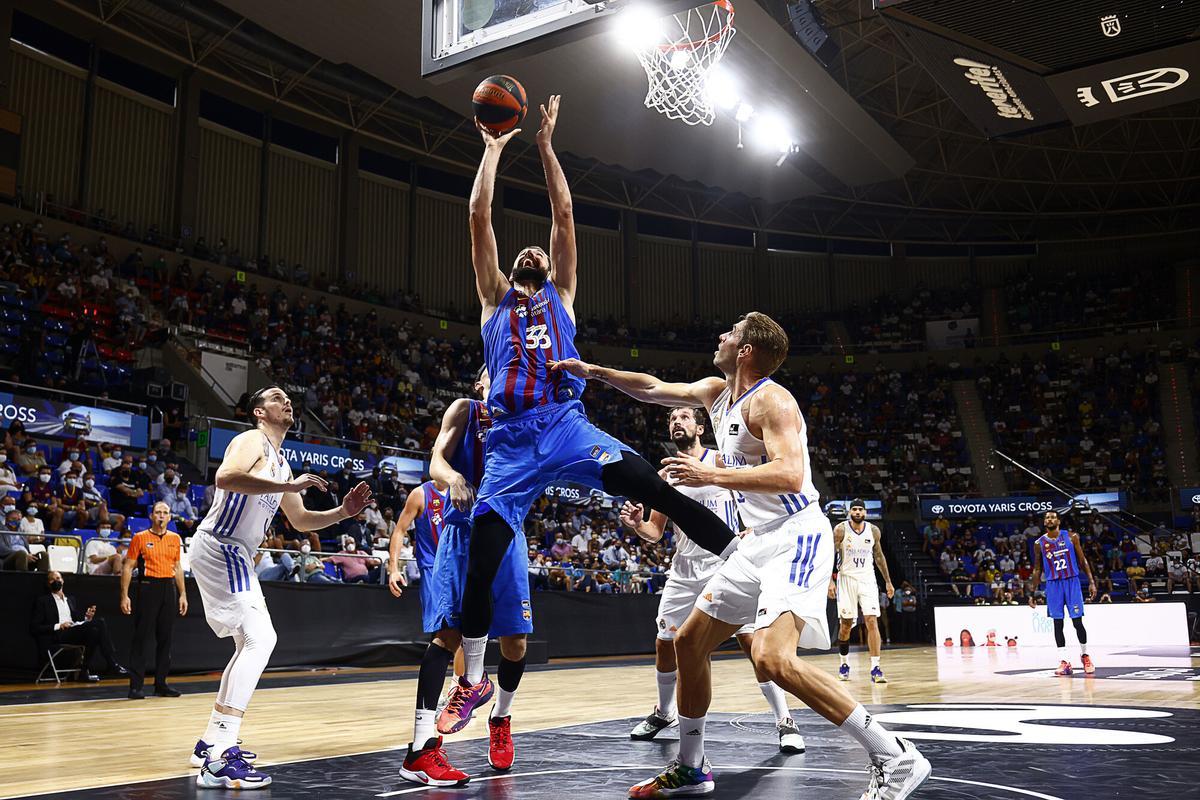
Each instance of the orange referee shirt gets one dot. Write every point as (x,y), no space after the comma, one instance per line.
(161,552)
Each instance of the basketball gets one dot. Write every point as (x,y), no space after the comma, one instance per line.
(499,103)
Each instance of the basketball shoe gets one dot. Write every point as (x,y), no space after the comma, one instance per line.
(200,753)
(877,675)
(500,743)
(462,704)
(790,740)
(430,767)
(844,672)
(231,771)
(1064,668)
(897,777)
(676,780)
(1088,667)
(650,727)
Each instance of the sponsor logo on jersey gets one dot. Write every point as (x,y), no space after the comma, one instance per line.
(522,311)
(600,454)
(733,428)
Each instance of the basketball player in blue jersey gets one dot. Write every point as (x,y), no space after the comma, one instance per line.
(1060,556)
(253,482)
(777,578)
(691,569)
(456,463)
(540,432)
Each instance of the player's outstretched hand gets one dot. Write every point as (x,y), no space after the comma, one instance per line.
(1092,591)
(891,591)
(493,139)
(685,470)
(549,118)
(572,366)
(396,581)
(306,481)
(632,514)
(462,494)
(357,499)
(832,590)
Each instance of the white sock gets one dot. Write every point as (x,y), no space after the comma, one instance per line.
(1082,651)
(666,693)
(503,706)
(210,733)
(874,662)
(879,744)
(473,650)
(845,659)
(1062,654)
(225,735)
(691,740)
(777,700)
(424,722)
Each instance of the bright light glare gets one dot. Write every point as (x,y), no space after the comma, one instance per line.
(680,59)
(638,27)
(771,132)
(744,112)
(721,88)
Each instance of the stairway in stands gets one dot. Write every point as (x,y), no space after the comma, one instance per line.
(978,433)
(1178,423)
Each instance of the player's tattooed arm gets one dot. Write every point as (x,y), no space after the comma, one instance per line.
(644,387)
(881,563)
(454,424)
(839,531)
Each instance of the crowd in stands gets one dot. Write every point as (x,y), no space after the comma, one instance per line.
(1086,421)
(889,323)
(1065,301)
(992,564)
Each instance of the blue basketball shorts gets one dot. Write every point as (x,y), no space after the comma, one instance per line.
(511,611)
(1064,594)
(527,451)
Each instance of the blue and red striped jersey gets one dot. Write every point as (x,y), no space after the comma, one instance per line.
(427,528)
(467,460)
(1058,556)
(518,340)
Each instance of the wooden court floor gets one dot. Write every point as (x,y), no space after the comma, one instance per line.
(53,746)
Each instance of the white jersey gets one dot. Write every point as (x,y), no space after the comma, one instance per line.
(741,449)
(691,561)
(858,551)
(244,518)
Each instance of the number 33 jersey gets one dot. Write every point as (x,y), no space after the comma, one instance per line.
(518,340)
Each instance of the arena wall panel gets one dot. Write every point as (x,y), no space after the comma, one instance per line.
(726,287)
(49,97)
(520,231)
(999,271)
(302,211)
(859,279)
(601,288)
(798,282)
(382,232)
(133,157)
(442,273)
(665,267)
(227,202)
(936,273)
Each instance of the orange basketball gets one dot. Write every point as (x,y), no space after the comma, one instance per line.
(499,103)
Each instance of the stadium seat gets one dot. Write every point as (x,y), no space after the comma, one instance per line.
(63,559)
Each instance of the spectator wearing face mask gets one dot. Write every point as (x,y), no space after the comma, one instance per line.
(312,568)
(274,566)
(33,528)
(355,568)
(166,484)
(112,460)
(153,465)
(104,552)
(124,490)
(181,508)
(57,621)
(72,463)
(31,459)
(14,548)
(375,521)
(561,549)
(8,476)
(73,505)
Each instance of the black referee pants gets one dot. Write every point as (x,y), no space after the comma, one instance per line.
(155,606)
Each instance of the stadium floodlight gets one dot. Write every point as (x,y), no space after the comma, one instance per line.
(771,132)
(744,112)
(638,27)
(722,88)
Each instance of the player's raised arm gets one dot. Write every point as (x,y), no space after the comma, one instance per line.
(490,283)
(454,424)
(562,231)
(413,508)
(644,387)
(302,519)
(242,456)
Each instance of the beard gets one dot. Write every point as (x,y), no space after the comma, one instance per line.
(683,441)
(529,274)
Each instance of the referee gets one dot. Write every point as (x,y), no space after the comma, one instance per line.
(160,592)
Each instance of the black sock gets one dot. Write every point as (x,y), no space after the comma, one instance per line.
(1080,631)
(432,676)
(1060,638)
(633,477)
(844,647)
(509,673)
(490,538)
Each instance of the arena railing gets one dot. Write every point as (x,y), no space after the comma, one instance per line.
(52,537)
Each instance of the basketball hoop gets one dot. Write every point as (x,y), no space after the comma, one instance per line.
(678,61)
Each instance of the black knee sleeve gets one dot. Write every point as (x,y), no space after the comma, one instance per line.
(844,647)
(1060,638)
(633,477)
(432,676)
(1080,631)
(490,538)
(508,675)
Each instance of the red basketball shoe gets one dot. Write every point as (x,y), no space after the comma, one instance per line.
(1064,668)
(500,743)
(1088,666)
(429,766)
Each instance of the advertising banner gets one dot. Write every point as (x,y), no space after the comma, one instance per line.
(1116,624)
(948,334)
(1189,496)
(1130,85)
(841,508)
(319,457)
(43,417)
(1018,506)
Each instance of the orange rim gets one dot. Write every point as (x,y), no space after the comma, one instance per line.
(692,45)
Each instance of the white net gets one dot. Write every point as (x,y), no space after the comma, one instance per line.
(680,61)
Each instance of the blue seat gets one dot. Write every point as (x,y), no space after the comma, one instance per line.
(196,495)
(84,534)
(137,524)
(333,570)
(980,590)
(56,340)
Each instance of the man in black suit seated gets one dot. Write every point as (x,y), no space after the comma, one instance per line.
(57,621)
